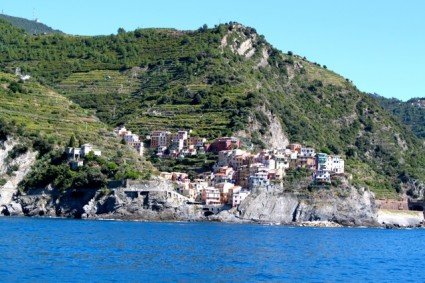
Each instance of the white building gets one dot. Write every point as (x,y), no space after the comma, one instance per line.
(211,196)
(75,153)
(307,152)
(131,139)
(322,176)
(238,197)
(87,148)
(337,165)
(121,131)
(258,180)
(281,162)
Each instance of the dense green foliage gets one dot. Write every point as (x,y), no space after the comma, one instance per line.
(208,81)
(53,169)
(411,112)
(31,27)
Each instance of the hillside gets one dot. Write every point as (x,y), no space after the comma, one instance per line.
(30,26)
(411,112)
(222,81)
(34,118)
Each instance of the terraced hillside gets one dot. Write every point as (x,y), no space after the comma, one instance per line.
(221,81)
(112,95)
(41,110)
(38,117)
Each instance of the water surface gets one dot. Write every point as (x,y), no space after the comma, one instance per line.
(97,251)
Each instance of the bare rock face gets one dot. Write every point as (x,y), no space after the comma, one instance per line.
(12,209)
(153,201)
(346,206)
(269,207)
(275,137)
(22,165)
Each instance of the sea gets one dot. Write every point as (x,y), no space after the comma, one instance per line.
(62,250)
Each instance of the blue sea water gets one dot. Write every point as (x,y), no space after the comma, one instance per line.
(58,250)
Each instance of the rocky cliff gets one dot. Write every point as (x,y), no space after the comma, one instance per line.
(344,206)
(15,163)
(347,206)
(155,201)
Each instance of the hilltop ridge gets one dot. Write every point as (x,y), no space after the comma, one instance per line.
(30,26)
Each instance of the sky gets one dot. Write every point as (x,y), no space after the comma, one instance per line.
(379,44)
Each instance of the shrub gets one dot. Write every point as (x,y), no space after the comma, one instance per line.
(17,151)
(16,87)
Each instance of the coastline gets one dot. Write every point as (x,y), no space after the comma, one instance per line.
(403,218)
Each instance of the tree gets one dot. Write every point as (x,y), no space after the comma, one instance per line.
(204,27)
(197,99)
(72,142)
(121,31)
(16,87)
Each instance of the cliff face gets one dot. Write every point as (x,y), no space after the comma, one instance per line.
(346,206)
(156,201)
(13,168)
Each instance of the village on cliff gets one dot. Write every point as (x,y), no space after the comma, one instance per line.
(237,171)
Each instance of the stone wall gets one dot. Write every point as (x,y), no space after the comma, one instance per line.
(392,204)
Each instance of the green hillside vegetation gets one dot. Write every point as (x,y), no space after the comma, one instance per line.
(30,26)
(218,82)
(45,121)
(411,112)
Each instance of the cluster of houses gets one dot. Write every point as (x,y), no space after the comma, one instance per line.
(176,145)
(130,139)
(181,144)
(237,172)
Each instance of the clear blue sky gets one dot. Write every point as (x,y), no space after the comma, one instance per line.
(379,44)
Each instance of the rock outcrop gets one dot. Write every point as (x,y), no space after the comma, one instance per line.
(156,201)
(400,218)
(346,205)
(12,171)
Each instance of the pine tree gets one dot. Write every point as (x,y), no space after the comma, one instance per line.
(72,142)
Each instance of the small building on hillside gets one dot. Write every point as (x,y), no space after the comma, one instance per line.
(307,152)
(281,162)
(160,139)
(211,196)
(323,162)
(259,179)
(322,176)
(225,143)
(337,165)
(130,139)
(75,153)
(238,197)
(295,147)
